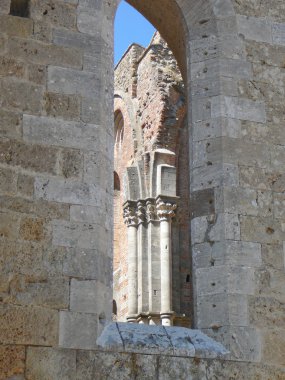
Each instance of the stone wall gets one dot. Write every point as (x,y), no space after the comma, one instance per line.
(56,168)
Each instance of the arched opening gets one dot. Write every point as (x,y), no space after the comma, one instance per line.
(153,164)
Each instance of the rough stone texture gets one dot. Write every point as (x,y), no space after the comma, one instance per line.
(231,55)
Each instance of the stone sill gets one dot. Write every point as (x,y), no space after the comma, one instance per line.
(159,340)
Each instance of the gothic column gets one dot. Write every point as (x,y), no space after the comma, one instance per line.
(165,212)
(131,220)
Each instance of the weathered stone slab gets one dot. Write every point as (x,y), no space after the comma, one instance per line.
(89,296)
(68,191)
(278,34)
(38,52)
(88,264)
(238,108)
(71,134)
(73,82)
(212,68)
(244,343)
(215,228)
(16,94)
(213,176)
(92,365)
(263,230)
(223,309)
(230,253)
(12,362)
(78,330)
(28,325)
(16,26)
(81,235)
(176,341)
(50,364)
(224,279)
(255,28)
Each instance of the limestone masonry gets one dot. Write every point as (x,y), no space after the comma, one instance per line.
(215,242)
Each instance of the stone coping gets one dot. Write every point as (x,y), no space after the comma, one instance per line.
(171,341)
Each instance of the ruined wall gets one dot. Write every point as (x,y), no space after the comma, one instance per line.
(56,185)
(150,93)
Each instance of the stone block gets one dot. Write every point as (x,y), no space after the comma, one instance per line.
(89,296)
(97,169)
(214,228)
(213,176)
(42,31)
(269,54)
(102,365)
(220,309)
(69,191)
(244,343)
(238,108)
(50,364)
(262,230)
(211,87)
(255,28)
(244,201)
(57,13)
(273,256)
(274,345)
(8,180)
(266,312)
(71,163)
(91,44)
(213,68)
(80,235)
(217,127)
(28,325)
(42,53)
(5,7)
(39,290)
(10,124)
(73,82)
(278,157)
(238,151)
(37,208)
(278,33)
(88,264)
(11,67)
(278,205)
(25,185)
(12,362)
(88,214)
(32,229)
(31,157)
(62,106)
(16,26)
(224,279)
(70,134)
(232,253)
(20,95)
(202,203)
(78,330)
(9,225)
(36,73)
(212,47)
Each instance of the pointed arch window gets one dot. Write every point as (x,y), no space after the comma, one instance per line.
(119,128)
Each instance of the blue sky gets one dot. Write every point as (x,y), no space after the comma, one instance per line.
(130,26)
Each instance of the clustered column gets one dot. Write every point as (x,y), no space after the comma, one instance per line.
(134,214)
(165,212)
(131,220)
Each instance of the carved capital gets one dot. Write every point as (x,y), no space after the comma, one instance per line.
(130,214)
(141,212)
(151,213)
(165,208)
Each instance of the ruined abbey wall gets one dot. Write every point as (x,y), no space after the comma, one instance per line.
(56,167)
